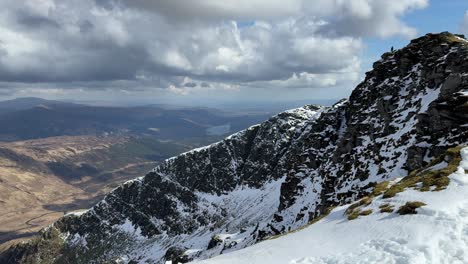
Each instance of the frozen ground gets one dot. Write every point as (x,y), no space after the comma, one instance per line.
(437,234)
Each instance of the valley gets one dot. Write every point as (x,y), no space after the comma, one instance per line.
(43,179)
(58,157)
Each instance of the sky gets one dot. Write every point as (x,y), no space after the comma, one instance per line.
(205,52)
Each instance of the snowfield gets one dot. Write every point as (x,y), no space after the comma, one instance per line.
(438,233)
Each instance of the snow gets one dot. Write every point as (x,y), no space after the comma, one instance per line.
(77,240)
(128,228)
(245,204)
(304,202)
(77,213)
(438,166)
(405,124)
(437,234)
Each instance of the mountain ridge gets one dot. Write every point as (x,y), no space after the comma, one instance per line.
(279,175)
(33,118)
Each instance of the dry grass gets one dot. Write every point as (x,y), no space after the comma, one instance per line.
(363,202)
(354,214)
(366,212)
(410,207)
(386,208)
(354,210)
(426,180)
(357,212)
(422,180)
(453,38)
(379,188)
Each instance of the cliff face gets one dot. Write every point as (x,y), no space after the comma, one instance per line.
(281,174)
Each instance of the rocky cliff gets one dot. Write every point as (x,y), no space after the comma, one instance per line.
(279,175)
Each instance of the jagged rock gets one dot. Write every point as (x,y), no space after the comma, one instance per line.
(176,255)
(214,242)
(283,173)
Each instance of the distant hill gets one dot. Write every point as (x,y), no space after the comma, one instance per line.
(32,118)
(27,103)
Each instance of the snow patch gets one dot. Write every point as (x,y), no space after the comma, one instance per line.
(128,228)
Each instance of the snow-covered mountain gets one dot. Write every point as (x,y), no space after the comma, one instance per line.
(437,234)
(287,172)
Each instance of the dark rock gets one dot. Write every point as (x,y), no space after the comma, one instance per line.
(176,255)
(214,242)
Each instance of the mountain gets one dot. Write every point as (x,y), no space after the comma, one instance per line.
(434,233)
(27,103)
(407,119)
(33,118)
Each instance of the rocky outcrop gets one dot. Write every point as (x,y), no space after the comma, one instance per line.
(281,174)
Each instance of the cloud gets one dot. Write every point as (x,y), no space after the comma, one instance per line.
(464,25)
(373,18)
(210,10)
(357,17)
(142,44)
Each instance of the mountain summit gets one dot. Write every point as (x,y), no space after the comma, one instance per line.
(280,175)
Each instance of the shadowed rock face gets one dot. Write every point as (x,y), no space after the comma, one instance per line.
(278,175)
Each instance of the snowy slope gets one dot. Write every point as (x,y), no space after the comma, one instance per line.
(437,234)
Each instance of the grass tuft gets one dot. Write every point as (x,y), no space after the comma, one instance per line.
(354,210)
(386,208)
(363,202)
(410,207)
(357,212)
(379,188)
(366,212)
(453,38)
(354,214)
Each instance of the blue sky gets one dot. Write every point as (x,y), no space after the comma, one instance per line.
(439,16)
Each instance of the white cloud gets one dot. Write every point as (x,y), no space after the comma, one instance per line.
(380,18)
(294,43)
(464,25)
(186,86)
